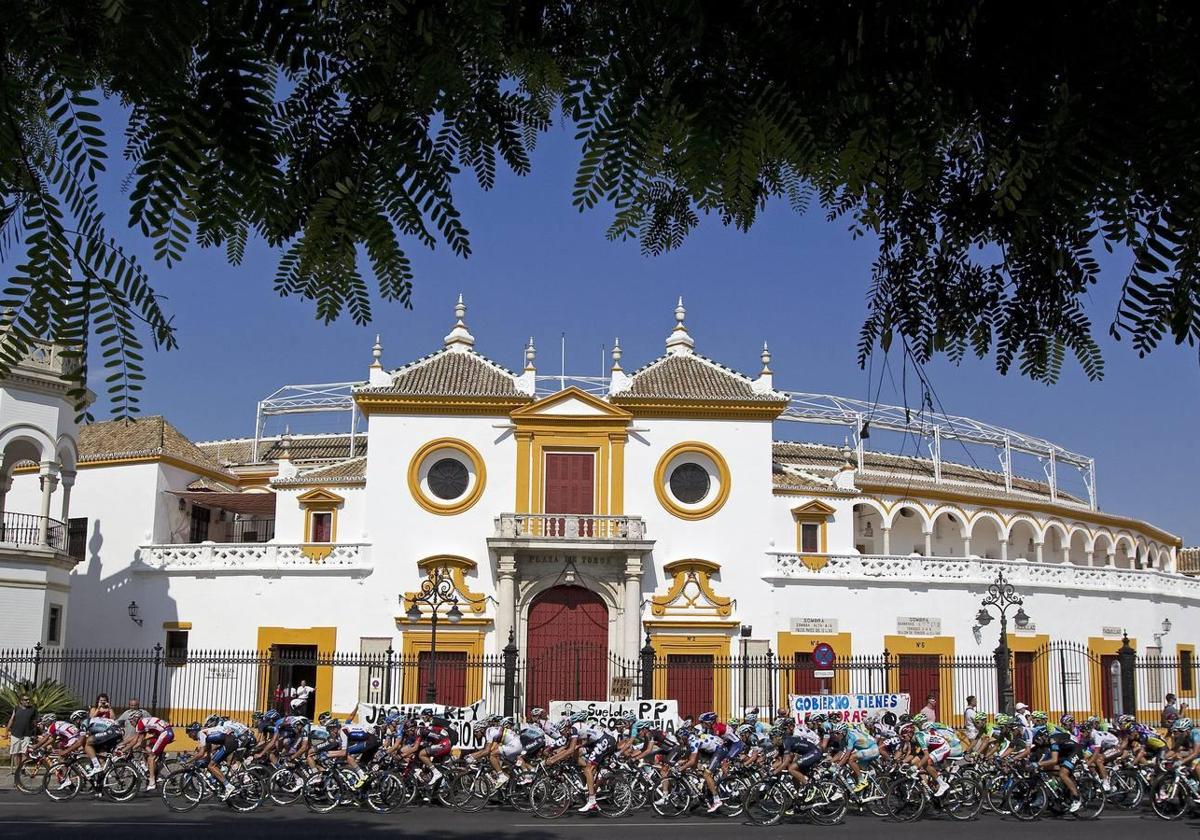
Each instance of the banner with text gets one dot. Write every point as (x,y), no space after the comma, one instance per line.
(606,712)
(854,708)
(461,718)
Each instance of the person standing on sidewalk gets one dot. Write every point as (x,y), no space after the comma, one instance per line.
(21,729)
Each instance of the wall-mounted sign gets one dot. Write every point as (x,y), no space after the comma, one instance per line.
(1115,632)
(815,626)
(913,625)
(1030,629)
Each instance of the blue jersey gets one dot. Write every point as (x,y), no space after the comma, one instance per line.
(100,727)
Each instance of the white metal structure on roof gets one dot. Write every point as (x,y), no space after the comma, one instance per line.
(320,398)
(544,386)
(860,416)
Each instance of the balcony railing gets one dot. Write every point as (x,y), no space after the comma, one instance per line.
(260,529)
(209,557)
(569,526)
(25,529)
(976,571)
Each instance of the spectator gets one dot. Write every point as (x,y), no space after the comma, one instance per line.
(1172,709)
(1021,713)
(300,701)
(279,697)
(127,720)
(930,708)
(21,729)
(102,708)
(970,719)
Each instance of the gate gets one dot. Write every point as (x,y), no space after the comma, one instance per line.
(566,671)
(1067,677)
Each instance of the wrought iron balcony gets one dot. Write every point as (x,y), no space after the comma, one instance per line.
(974,571)
(569,526)
(25,530)
(234,558)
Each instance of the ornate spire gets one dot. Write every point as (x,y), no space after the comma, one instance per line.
(616,354)
(766,358)
(679,342)
(530,354)
(377,353)
(460,337)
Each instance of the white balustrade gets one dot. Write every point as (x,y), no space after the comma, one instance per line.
(211,557)
(569,526)
(977,571)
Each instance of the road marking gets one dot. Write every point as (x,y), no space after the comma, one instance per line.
(612,823)
(100,823)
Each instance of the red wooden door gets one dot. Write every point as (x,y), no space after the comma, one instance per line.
(1023,678)
(805,681)
(690,683)
(569,489)
(567,647)
(450,679)
(918,678)
(1106,687)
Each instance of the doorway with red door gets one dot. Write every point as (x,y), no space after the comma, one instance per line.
(566,650)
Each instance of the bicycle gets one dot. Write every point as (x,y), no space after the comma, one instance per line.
(334,785)
(192,784)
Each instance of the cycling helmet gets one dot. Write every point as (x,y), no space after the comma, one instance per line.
(318,736)
(1125,722)
(907,730)
(1092,720)
(507,723)
(333,723)
(839,728)
(834,717)
(271,716)
(579,717)
(212,720)
(752,716)
(819,717)
(1182,724)
(193,728)
(904,718)
(427,711)
(479,727)
(1039,717)
(781,720)
(775,732)
(134,715)
(744,730)
(324,717)
(627,718)
(708,717)
(494,720)
(683,732)
(1041,733)
(301,723)
(46,719)
(390,720)
(256,718)
(78,716)
(1066,720)
(918,720)
(537,713)
(1003,720)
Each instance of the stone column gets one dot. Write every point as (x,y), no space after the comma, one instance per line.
(1037,551)
(1003,549)
(5,486)
(632,611)
(1110,559)
(506,591)
(966,546)
(68,481)
(49,480)
(887,539)
(928,543)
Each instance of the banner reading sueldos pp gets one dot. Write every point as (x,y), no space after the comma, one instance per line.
(606,712)
(461,718)
(854,708)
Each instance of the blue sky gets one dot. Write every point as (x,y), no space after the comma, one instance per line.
(541,268)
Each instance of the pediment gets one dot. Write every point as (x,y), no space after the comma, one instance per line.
(320,496)
(814,508)
(571,402)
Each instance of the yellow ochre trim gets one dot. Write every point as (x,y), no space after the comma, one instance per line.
(319,500)
(462,406)
(714,645)
(141,459)
(1180,691)
(446,508)
(1041,669)
(457,567)
(417,642)
(925,646)
(676,602)
(325,640)
(660,481)
(177,625)
(816,513)
(700,409)
(790,644)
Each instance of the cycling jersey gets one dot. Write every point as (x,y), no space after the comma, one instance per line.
(100,728)
(161,731)
(64,733)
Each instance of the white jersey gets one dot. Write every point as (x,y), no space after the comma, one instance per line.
(503,736)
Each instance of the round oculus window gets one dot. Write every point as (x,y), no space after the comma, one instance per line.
(690,483)
(448,478)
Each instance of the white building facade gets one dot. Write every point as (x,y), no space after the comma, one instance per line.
(581,523)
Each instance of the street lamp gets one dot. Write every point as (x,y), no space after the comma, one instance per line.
(437,590)
(1002,596)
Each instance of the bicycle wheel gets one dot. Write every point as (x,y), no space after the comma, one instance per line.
(481,787)
(962,799)
(875,797)
(614,796)
(829,802)
(285,786)
(1027,799)
(121,781)
(249,793)
(1128,789)
(31,777)
(1170,798)
(766,803)
(320,793)
(1091,798)
(386,793)
(675,800)
(550,797)
(904,798)
(63,781)
(182,791)
(995,794)
(455,788)
(733,796)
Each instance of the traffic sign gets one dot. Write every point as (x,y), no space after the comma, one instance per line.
(823,675)
(823,655)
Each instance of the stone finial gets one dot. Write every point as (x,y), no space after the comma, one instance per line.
(286,468)
(680,342)
(460,337)
(377,353)
(766,358)
(765,383)
(616,354)
(530,354)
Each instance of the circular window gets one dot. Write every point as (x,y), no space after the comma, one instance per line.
(689,483)
(692,480)
(446,476)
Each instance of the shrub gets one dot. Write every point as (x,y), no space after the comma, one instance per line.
(48,696)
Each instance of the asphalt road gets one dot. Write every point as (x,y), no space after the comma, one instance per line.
(37,817)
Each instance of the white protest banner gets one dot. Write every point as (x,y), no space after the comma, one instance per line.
(461,718)
(854,708)
(606,712)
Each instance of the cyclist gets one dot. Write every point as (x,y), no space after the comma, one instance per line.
(214,744)
(797,754)
(102,735)
(1100,746)
(355,743)
(929,749)
(153,734)
(62,737)
(1057,753)
(435,733)
(859,749)
(711,746)
(595,744)
(1186,742)
(501,741)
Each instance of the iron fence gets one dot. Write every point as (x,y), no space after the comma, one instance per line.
(26,529)
(184,685)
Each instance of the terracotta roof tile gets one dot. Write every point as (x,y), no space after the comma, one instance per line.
(304,448)
(449,373)
(690,376)
(351,471)
(143,437)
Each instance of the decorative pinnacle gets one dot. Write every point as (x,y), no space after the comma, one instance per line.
(616,354)
(766,358)
(377,353)
(460,337)
(530,354)
(679,341)
(285,444)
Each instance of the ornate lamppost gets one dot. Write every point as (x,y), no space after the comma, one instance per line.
(437,590)
(1003,596)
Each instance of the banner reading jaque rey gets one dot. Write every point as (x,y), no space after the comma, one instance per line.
(854,708)
(462,718)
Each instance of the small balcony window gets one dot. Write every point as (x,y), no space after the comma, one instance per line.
(321,526)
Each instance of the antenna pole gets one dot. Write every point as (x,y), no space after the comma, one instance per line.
(562,375)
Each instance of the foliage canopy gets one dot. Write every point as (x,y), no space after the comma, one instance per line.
(988,147)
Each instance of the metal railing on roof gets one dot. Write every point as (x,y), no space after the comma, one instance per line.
(319,398)
(860,416)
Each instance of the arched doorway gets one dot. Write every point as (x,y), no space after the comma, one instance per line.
(566,647)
